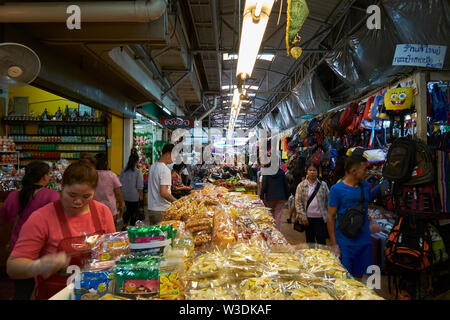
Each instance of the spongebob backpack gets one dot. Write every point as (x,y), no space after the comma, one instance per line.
(398,100)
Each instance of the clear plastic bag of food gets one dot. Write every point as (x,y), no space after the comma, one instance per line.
(202,241)
(306,280)
(261,215)
(184,245)
(309,294)
(170,274)
(201,223)
(222,279)
(322,263)
(247,259)
(207,265)
(111,246)
(276,240)
(350,289)
(217,293)
(247,229)
(283,264)
(224,230)
(261,289)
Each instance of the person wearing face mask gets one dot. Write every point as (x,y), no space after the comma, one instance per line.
(355,252)
(18,207)
(311,199)
(60,233)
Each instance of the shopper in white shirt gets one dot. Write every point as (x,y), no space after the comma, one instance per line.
(314,216)
(159,183)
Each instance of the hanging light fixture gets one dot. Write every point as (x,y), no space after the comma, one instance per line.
(256,16)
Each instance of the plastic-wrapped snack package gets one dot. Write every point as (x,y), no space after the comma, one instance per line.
(261,289)
(150,239)
(221,279)
(322,263)
(176,224)
(247,260)
(136,276)
(184,245)
(93,285)
(207,265)
(170,275)
(111,246)
(276,240)
(306,280)
(202,241)
(217,293)
(247,229)
(309,294)
(350,289)
(197,224)
(283,264)
(224,230)
(261,215)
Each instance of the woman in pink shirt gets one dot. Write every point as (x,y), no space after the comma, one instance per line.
(108,187)
(59,234)
(18,207)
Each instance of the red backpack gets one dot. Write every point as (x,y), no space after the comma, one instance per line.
(367,110)
(355,126)
(347,115)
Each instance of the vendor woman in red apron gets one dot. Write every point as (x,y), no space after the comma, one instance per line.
(59,234)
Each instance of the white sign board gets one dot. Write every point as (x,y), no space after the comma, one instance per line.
(419,55)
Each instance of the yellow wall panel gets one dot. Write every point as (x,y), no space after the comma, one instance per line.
(39,100)
(115,152)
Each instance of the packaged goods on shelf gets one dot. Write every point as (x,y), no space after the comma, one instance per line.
(224,232)
(322,263)
(111,246)
(94,285)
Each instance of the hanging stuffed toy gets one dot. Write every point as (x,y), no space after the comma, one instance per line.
(398,100)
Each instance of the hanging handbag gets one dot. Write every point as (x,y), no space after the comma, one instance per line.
(298,226)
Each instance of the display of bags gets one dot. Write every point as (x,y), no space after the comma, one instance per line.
(409,245)
(423,171)
(368,108)
(400,160)
(348,114)
(420,201)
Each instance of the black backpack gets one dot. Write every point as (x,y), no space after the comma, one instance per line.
(400,160)
(423,171)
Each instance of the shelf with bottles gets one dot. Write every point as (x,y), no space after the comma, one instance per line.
(58,139)
(24,120)
(62,130)
(51,155)
(62,147)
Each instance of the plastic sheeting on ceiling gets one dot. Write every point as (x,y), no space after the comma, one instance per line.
(307,97)
(364,59)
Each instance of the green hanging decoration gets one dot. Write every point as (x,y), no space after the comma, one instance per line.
(297,12)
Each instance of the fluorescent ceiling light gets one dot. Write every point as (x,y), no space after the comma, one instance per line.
(262,56)
(256,16)
(166,111)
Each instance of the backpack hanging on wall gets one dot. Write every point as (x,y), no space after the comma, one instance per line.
(400,160)
(355,125)
(419,201)
(368,108)
(423,171)
(409,245)
(348,114)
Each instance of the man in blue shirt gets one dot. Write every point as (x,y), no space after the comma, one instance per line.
(355,253)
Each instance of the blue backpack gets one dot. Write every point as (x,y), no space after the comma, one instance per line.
(439,105)
(375,112)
